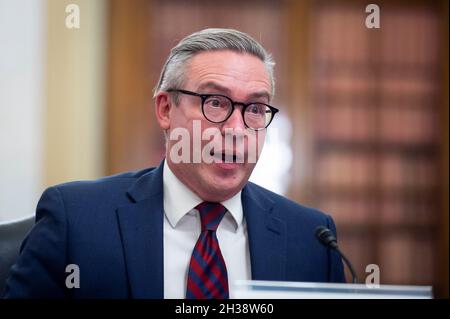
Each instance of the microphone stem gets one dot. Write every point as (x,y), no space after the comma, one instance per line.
(349,265)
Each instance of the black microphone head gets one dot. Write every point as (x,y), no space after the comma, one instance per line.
(326,237)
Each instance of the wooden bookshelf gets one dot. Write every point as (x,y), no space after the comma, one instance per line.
(376,135)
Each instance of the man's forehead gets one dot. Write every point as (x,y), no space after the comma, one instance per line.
(224,69)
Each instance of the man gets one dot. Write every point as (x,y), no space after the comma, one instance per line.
(191,227)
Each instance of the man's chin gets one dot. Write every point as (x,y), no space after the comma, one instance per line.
(222,188)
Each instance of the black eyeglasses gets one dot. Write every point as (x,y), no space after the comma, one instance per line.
(218,108)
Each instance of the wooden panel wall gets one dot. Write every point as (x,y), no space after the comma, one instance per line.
(134,138)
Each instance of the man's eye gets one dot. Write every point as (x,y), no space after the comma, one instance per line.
(215,102)
(256,109)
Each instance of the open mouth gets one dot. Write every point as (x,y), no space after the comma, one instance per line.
(227,157)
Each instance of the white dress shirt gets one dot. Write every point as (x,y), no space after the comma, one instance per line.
(182,228)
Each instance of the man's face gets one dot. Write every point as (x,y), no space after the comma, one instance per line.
(243,78)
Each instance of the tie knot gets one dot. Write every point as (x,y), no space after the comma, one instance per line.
(210,215)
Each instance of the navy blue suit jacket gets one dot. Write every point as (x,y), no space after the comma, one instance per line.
(112,229)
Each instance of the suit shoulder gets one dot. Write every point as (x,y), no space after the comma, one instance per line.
(287,206)
(117,181)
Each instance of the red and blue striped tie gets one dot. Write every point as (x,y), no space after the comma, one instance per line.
(207,277)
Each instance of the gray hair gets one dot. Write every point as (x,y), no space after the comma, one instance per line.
(173,73)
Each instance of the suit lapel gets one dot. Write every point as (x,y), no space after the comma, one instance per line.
(141,227)
(266,235)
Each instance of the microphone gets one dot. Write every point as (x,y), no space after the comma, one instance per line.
(327,238)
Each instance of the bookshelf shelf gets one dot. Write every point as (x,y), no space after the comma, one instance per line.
(430,149)
(361,230)
(411,194)
(362,96)
(363,66)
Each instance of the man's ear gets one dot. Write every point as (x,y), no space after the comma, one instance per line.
(163,104)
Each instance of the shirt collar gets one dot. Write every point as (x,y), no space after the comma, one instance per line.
(180,200)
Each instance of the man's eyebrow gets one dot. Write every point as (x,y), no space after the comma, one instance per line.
(224,90)
(214,86)
(258,95)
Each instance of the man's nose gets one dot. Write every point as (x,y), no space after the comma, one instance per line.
(235,121)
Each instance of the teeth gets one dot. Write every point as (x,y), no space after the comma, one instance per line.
(228,158)
(225,158)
